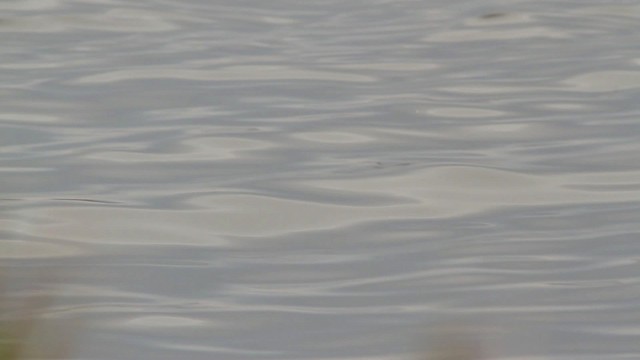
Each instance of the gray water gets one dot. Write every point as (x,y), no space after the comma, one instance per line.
(324,180)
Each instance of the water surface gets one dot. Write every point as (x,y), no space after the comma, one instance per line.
(324,180)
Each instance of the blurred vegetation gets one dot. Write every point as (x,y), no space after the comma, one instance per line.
(23,336)
(455,342)
(20,323)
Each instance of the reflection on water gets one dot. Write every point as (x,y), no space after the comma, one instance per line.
(291,180)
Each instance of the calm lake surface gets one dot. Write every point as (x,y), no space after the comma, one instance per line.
(324,180)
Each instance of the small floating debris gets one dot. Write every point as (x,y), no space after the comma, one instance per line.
(494,15)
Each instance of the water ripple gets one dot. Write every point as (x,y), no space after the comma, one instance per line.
(323,180)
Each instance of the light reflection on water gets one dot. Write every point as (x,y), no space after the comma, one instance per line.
(291,180)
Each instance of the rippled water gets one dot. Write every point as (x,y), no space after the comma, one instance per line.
(325,180)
